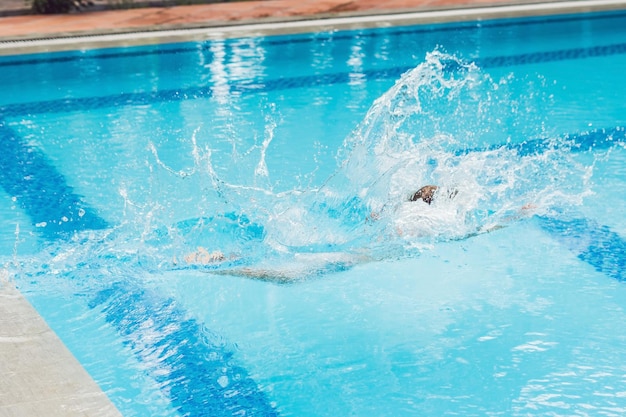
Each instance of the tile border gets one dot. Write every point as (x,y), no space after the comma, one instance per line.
(197,370)
(41,191)
(64,105)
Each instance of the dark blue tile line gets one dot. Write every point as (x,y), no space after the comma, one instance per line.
(198,375)
(63,57)
(188,93)
(40,190)
(596,139)
(456,27)
(92,103)
(192,367)
(595,244)
(318,37)
(591,242)
(196,92)
(575,142)
(552,56)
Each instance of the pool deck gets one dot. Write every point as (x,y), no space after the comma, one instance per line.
(138,26)
(39,374)
(211,15)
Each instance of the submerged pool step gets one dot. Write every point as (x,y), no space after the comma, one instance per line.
(193,367)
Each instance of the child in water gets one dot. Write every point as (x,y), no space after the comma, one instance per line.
(307,264)
(203,256)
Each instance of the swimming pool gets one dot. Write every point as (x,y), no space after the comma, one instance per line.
(294,155)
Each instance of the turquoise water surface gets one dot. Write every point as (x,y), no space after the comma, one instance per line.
(293,157)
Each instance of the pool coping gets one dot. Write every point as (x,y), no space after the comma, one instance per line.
(40,376)
(294,25)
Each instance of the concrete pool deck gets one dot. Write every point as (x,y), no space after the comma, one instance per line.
(40,375)
(151,25)
(211,15)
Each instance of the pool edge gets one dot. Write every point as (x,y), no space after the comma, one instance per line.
(40,375)
(302,24)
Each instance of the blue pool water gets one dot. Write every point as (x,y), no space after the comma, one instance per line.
(294,156)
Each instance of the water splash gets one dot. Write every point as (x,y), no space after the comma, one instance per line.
(445,122)
(270,126)
(448,123)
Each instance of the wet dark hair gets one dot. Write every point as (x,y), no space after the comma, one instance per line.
(426,194)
